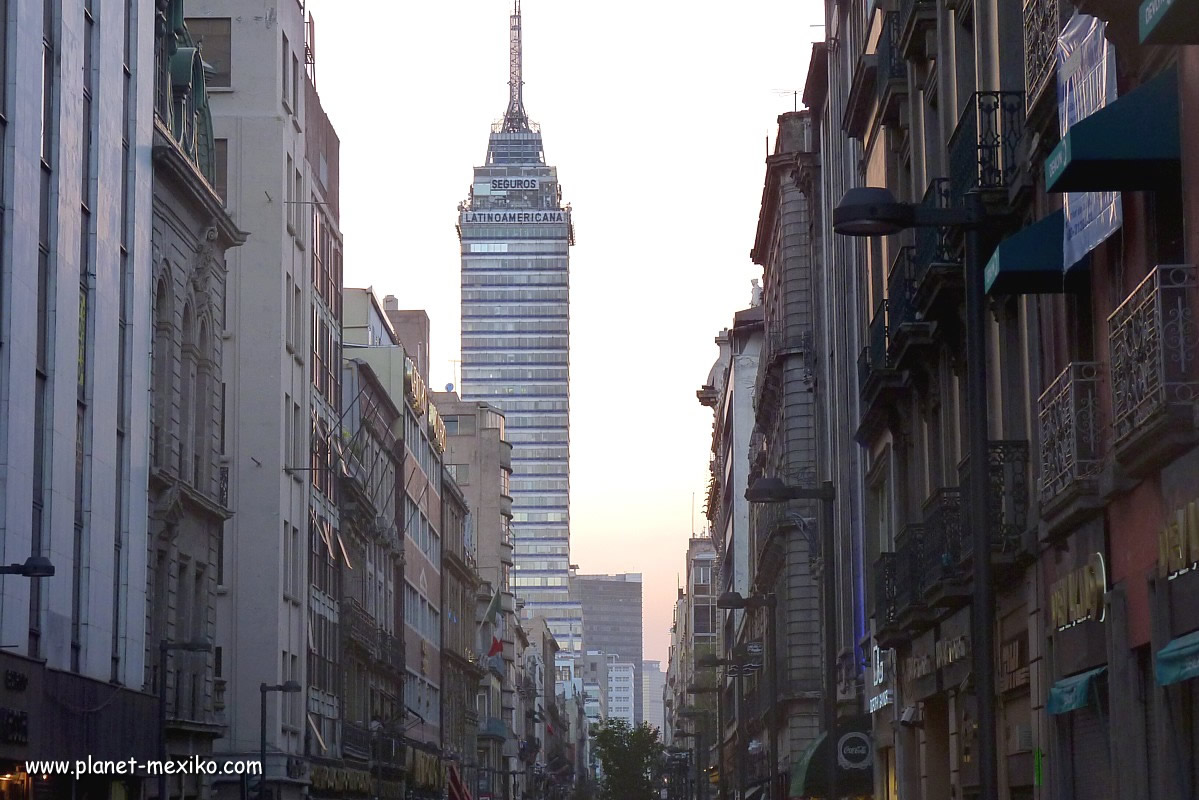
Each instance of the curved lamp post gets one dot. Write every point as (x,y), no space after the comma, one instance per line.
(265,689)
(874,211)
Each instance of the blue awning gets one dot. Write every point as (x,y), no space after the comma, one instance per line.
(1129,145)
(1169,21)
(1071,694)
(1030,260)
(1179,660)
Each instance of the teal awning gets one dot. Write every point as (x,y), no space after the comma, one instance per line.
(1030,260)
(1169,21)
(1179,660)
(1130,145)
(855,763)
(1071,694)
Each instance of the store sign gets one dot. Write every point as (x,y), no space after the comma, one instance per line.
(952,651)
(339,779)
(1178,543)
(1078,596)
(415,390)
(880,674)
(917,666)
(1013,664)
(854,751)
(504,184)
(514,217)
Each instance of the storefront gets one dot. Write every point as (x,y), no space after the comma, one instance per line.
(1077,699)
(933,757)
(1174,590)
(881,704)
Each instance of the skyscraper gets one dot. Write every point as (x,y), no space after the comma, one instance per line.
(612,620)
(515,236)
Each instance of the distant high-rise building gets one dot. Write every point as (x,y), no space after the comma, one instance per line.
(653,684)
(515,236)
(612,620)
(622,688)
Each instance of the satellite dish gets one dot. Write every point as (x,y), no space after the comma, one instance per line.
(449,387)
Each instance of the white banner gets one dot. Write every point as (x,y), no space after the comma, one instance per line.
(1086,82)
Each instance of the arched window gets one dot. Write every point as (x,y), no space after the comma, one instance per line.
(187,421)
(161,364)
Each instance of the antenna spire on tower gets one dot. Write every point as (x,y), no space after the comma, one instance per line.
(515,118)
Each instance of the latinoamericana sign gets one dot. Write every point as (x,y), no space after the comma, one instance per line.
(515,217)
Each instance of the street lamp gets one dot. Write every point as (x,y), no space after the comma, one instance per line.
(164,647)
(873,211)
(692,713)
(264,689)
(34,567)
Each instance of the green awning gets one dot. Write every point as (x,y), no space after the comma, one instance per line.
(1169,21)
(1030,260)
(1071,694)
(1179,660)
(855,772)
(1129,145)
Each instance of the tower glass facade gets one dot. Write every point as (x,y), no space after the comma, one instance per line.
(515,236)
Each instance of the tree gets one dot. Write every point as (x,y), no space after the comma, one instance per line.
(630,757)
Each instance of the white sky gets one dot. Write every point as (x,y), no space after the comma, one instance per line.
(656,115)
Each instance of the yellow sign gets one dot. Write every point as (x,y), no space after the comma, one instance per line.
(414,388)
(1078,596)
(1178,542)
(339,779)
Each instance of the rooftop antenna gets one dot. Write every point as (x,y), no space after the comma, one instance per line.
(515,118)
(693,514)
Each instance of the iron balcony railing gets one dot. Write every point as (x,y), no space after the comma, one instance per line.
(1154,343)
(886,609)
(892,68)
(1007,493)
(932,244)
(391,651)
(983,149)
(878,337)
(909,568)
(359,626)
(1070,430)
(355,739)
(493,727)
(942,555)
(1042,24)
(900,289)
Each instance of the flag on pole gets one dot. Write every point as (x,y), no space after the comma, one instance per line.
(489,618)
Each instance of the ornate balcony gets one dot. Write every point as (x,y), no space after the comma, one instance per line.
(359,627)
(906,328)
(391,651)
(915,16)
(941,571)
(886,609)
(910,580)
(1007,498)
(1154,344)
(355,740)
(984,147)
(493,728)
(1071,434)
(936,268)
(892,81)
(1042,24)
(878,380)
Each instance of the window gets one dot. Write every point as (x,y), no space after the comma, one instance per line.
(289,323)
(295,83)
(290,198)
(286,53)
(213,36)
(221,168)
